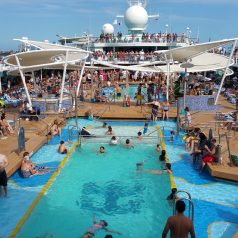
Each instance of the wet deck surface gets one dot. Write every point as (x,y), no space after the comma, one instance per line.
(36,131)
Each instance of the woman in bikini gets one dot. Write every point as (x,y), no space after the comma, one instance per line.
(55,129)
(165,110)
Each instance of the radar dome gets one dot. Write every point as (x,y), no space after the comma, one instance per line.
(136,18)
(107,29)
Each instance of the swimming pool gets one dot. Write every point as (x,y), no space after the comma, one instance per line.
(131,92)
(216,209)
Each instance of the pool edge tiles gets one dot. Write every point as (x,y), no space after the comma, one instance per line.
(163,145)
(40,194)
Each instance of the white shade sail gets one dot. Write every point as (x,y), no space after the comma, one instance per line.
(182,54)
(41,58)
(201,63)
(47,46)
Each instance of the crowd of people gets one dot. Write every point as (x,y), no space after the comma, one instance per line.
(132,56)
(145,37)
(203,149)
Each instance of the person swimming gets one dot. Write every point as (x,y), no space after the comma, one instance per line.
(171,136)
(168,168)
(172,195)
(62,148)
(158,148)
(139,135)
(145,129)
(162,157)
(101,225)
(101,150)
(128,144)
(139,169)
(113,141)
(85,132)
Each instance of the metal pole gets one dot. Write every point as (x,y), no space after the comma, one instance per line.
(184,94)
(63,80)
(0,81)
(23,80)
(167,82)
(41,75)
(1,72)
(92,96)
(76,110)
(178,112)
(34,80)
(224,75)
(80,78)
(127,84)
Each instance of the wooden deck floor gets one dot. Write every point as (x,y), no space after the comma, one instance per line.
(36,131)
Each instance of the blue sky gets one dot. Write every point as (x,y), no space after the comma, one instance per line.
(43,19)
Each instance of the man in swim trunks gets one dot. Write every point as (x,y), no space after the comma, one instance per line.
(179,225)
(28,169)
(3,175)
(101,225)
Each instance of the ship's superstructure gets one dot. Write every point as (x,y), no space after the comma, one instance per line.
(127,48)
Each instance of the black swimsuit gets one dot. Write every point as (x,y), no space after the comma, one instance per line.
(3,178)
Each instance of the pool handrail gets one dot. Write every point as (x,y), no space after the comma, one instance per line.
(190,207)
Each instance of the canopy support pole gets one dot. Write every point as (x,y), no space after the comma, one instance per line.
(167,80)
(80,78)
(1,73)
(23,81)
(0,81)
(34,80)
(185,89)
(63,80)
(92,96)
(224,75)
(127,83)
(41,75)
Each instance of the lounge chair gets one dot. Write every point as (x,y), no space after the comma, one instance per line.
(234,159)
(9,101)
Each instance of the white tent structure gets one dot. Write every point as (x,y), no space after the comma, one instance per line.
(201,58)
(57,57)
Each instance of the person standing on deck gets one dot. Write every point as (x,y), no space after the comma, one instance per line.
(3,175)
(179,225)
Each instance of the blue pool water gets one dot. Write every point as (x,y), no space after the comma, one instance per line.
(108,186)
(131,92)
(118,195)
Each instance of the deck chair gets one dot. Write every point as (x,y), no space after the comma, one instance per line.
(234,159)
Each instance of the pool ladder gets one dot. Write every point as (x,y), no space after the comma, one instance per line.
(70,134)
(189,200)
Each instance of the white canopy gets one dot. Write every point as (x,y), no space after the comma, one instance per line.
(41,58)
(47,46)
(201,63)
(182,54)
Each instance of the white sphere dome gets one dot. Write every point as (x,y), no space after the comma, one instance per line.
(136,18)
(107,28)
